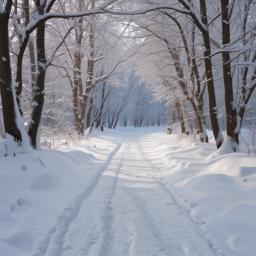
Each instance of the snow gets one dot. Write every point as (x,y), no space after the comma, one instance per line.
(128,192)
(37,187)
(228,146)
(218,191)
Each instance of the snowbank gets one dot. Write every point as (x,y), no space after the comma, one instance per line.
(36,187)
(218,191)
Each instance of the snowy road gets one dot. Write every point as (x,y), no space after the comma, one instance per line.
(126,210)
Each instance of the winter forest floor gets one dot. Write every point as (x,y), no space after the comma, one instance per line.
(132,192)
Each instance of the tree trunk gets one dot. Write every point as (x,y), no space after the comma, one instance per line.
(30,46)
(199,122)
(77,93)
(85,109)
(180,117)
(209,77)
(231,112)
(6,88)
(201,113)
(38,92)
(89,113)
(79,126)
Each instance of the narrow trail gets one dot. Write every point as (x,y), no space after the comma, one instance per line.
(126,211)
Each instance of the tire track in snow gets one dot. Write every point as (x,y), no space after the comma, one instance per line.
(165,247)
(52,244)
(160,181)
(89,243)
(108,215)
(107,247)
(107,234)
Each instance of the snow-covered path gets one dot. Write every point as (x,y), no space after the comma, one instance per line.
(135,192)
(127,209)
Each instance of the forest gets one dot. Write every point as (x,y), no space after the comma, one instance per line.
(123,96)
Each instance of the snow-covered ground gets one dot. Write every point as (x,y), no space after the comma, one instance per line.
(128,192)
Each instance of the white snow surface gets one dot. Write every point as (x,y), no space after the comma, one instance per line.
(130,192)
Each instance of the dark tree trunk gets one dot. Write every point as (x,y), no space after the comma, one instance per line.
(209,77)
(6,88)
(38,92)
(231,112)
